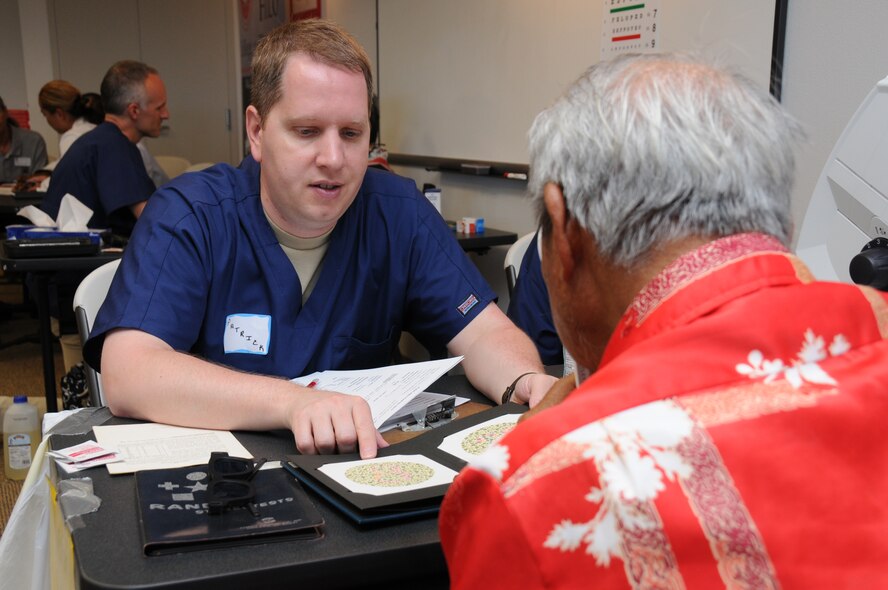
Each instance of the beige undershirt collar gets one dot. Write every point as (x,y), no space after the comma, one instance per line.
(305,254)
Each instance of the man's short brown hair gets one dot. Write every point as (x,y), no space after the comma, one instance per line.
(322,40)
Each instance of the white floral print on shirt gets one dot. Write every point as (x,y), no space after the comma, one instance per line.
(634,452)
(637,450)
(804,368)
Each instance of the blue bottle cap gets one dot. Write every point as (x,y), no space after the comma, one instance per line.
(20,399)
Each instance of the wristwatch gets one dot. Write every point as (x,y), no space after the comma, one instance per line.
(507,394)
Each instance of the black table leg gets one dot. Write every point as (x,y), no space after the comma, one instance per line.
(49,385)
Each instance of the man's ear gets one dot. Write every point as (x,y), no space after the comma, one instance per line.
(253,122)
(132,110)
(562,230)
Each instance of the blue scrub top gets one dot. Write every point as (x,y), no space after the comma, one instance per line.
(205,273)
(529,307)
(104,171)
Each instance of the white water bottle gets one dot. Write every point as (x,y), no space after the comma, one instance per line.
(21,436)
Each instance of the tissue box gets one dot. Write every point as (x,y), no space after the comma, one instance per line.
(95,237)
(17,232)
(32,232)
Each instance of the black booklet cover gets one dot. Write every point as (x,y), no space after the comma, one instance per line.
(174,516)
(369,509)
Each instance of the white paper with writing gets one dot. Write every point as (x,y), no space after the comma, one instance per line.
(386,389)
(160,446)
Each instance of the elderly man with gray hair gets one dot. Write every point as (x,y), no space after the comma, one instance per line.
(729,431)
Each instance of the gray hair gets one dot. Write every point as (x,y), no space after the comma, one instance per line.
(124,83)
(649,149)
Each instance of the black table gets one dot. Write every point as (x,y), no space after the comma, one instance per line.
(43,270)
(108,550)
(481,243)
(9,204)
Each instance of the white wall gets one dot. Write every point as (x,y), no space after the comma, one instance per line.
(36,55)
(836,51)
(358,17)
(26,59)
(38,50)
(464,79)
(12,63)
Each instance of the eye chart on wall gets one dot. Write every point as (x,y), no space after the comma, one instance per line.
(630,26)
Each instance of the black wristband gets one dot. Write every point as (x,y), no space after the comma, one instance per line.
(507,394)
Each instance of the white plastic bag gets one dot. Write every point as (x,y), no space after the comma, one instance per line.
(24,546)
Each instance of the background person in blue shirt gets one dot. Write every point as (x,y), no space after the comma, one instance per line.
(103,168)
(529,306)
(300,260)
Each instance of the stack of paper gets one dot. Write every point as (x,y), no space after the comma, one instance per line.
(386,389)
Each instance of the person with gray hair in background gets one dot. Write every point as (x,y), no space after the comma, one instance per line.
(103,169)
(730,429)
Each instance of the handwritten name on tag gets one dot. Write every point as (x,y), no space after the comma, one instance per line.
(247,333)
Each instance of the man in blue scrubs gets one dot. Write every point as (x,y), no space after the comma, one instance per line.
(103,169)
(300,260)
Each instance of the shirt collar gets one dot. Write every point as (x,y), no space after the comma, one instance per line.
(690,266)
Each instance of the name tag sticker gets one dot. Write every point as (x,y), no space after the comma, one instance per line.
(247,333)
(23,161)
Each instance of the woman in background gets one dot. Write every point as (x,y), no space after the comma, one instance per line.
(68,112)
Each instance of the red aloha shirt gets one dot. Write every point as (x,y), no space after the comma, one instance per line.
(734,436)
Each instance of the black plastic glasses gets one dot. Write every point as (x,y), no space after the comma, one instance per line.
(230,483)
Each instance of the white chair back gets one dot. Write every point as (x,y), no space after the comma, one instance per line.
(199,166)
(87,300)
(172,165)
(514,256)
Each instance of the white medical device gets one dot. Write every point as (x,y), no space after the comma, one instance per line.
(844,235)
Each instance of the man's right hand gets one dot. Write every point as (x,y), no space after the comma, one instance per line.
(325,422)
(145,379)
